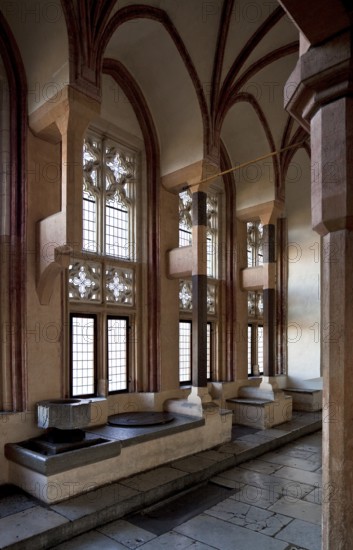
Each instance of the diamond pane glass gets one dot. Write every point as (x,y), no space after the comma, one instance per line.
(119,286)
(185,295)
(211,298)
(84,281)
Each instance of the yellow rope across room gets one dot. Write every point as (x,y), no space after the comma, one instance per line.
(244,164)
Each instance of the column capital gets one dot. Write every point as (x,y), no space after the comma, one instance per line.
(322,75)
(268,212)
(319,94)
(191,176)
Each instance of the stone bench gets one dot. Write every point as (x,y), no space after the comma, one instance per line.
(260,413)
(305,399)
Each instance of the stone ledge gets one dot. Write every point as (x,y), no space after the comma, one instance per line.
(302,390)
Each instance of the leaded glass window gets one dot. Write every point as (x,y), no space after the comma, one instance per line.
(185,227)
(117,353)
(185,218)
(83,354)
(185,296)
(185,351)
(255,332)
(254,244)
(109,176)
(102,279)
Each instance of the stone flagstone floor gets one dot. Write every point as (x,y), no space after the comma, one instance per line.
(269,503)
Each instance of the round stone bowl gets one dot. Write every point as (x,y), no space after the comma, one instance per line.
(64,414)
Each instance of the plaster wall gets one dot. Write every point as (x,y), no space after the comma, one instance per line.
(44,325)
(303,277)
(44,328)
(167,87)
(117,108)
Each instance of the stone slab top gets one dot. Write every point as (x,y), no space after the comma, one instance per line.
(246,401)
(302,390)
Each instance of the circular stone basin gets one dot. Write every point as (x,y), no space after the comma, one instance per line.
(64,414)
(139,419)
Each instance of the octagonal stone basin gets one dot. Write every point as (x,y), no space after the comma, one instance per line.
(64,414)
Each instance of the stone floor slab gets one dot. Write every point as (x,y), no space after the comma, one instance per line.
(300,463)
(126,533)
(294,452)
(225,536)
(256,496)
(228,483)
(299,509)
(268,483)
(303,534)
(90,541)
(175,541)
(26,524)
(260,466)
(215,456)
(302,476)
(229,509)
(94,501)
(192,464)
(257,438)
(273,433)
(153,478)
(315,496)
(12,504)
(251,517)
(236,448)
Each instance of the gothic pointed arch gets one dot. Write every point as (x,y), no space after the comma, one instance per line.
(13,182)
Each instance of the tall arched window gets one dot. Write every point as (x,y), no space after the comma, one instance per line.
(102,282)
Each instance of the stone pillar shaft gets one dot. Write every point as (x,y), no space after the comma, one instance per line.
(337,362)
(269,301)
(319,96)
(332,212)
(199,290)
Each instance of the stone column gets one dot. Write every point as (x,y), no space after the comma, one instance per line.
(269,298)
(199,290)
(66,121)
(319,94)
(332,210)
